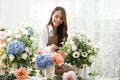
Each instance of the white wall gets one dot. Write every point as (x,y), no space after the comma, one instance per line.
(14,13)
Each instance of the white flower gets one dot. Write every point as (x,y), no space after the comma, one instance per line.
(33,59)
(38,74)
(24,56)
(9,39)
(17,31)
(9,33)
(96,49)
(11,57)
(74,48)
(76,54)
(30,53)
(3,45)
(72,35)
(92,58)
(23,31)
(83,33)
(67,44)
(31,38)
(89,51)
(84,54)
(26,49)
(18,35)
(4,56)
(71,42)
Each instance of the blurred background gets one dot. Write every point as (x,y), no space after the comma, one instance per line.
(99,19)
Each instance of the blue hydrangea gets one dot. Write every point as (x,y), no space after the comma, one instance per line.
(15,47)
(43,61)
(30,31)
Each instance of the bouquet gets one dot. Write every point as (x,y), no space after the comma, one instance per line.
(44,60)
(79,50)
(19,49)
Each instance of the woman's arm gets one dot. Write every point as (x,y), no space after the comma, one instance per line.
(43,40)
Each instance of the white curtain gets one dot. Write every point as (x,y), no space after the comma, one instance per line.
(99,19)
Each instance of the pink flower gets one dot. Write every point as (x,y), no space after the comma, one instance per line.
(21,73)
(3,35)
(57,59)
(70,75)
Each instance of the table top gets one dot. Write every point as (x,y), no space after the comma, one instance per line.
(37,78)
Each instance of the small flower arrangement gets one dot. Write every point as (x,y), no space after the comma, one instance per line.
(19,49)
(43,60)
(79,50)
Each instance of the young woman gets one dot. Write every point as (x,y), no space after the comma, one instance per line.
(52,35)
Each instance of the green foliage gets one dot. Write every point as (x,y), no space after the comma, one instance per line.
(80,78)
(93,73)
(7,77)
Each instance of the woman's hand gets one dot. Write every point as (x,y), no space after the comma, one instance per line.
(54,47)
(63,54)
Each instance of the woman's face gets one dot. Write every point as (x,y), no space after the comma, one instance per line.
(57,18)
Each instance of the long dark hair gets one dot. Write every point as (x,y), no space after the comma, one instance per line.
(62,28)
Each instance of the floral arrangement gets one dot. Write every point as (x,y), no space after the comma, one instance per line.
(79,50)
(43,60)
(19,49)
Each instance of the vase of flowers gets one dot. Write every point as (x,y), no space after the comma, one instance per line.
(47,63)
(79,52)
(20,48)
